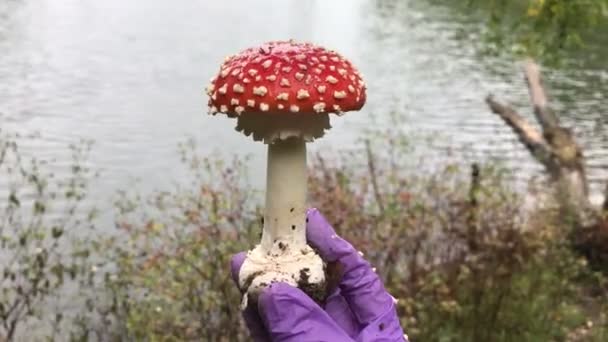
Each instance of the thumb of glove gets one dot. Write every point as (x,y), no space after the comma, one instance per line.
(289,315)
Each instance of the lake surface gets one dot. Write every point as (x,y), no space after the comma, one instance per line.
(130,75)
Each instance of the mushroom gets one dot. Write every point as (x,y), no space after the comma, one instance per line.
(282,93)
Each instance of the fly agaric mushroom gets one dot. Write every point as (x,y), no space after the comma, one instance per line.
(282,94)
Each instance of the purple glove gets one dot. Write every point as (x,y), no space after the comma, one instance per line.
(359,309)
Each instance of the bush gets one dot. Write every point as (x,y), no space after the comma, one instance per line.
(456,248)
(173,281)
(42,259)
(458,251)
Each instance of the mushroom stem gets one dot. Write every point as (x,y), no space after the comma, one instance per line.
(286,181)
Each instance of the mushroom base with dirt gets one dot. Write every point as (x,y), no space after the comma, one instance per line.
(283,254)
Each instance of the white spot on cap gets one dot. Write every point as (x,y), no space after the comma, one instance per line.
(299,76)
(321,66)
(319,107)
(280,106)
(252,72)
(317,71)
(331,79)
(224,72)
(267,63)
(351,88)
(234,102)
(258,78)
(212,110)
(235,72)
(210,88)
(323,58)
(223,108)
(271,77)
(302,67)
(321,89)
(342,72)
(264,107)
(257,59)
(302,94)
(223,89)
(239,109)
(283,96)
(335,59)
(294,108)
(214,96)
(314,59)
(246,80)
(260,91)
(339,94)
(237,88)
(251,103)
(284,82)
(286,69)
(300,57)
(308,79)
(337,108)
(332,67)
(352,77)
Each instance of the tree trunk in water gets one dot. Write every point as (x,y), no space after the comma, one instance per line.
(555,147)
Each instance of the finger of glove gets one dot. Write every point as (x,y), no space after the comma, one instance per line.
(360,285)
(338,309)
(290,315)
(386,328)
(250,314)
(235,266)
(254,323)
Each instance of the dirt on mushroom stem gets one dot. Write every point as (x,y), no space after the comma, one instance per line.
(283,253)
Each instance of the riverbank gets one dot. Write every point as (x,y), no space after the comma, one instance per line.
(464,259)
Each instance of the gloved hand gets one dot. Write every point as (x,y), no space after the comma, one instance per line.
(359,309)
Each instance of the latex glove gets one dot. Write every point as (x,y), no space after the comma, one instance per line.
(359,309)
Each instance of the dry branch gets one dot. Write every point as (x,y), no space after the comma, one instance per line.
(555,148)
(547,119)
(527,134)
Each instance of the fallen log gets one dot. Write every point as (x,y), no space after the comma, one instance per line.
(554,146)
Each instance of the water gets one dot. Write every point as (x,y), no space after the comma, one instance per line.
(130,75)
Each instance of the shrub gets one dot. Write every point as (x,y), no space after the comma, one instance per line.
(456,248)
(39,216)
(173,280)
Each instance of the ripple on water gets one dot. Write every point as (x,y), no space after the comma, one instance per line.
(119,74)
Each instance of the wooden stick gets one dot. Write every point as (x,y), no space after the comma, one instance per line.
(545,116)
(372,172)
(527,134)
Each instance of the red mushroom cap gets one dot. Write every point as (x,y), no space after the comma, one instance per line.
(286,77)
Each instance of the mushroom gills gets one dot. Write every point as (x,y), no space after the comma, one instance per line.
(271,127)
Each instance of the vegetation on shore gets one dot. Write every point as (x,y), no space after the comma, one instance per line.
(454,246)
(546,30)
